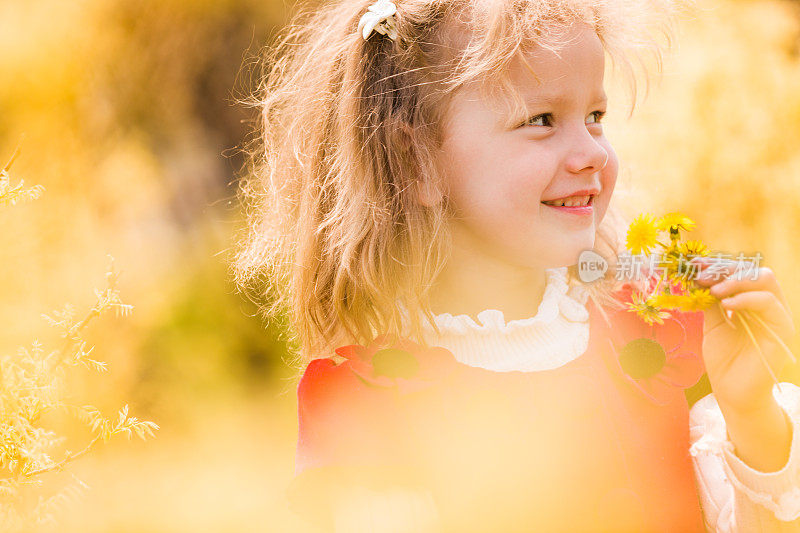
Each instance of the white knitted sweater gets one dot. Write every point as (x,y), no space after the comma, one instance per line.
(734,496)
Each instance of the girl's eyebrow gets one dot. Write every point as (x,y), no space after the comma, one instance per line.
(546,99)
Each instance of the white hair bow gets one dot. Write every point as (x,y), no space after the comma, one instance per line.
(379,17)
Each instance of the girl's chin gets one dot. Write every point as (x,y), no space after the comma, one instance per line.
(567,251)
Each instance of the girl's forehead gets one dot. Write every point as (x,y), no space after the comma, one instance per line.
(581,48)
(542,71)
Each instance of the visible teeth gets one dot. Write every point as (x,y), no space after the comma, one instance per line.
(572,201)
(576,200)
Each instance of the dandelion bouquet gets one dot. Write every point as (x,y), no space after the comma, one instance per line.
(679,261)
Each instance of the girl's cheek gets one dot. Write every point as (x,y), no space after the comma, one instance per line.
(608,176)
(608,179)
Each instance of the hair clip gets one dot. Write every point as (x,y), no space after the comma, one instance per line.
(379,17)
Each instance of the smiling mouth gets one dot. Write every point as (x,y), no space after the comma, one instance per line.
(574,201)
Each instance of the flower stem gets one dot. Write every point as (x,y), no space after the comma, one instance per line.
(658,286)
(760,353)
(774,335)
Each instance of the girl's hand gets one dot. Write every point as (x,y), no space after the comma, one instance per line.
(735,369)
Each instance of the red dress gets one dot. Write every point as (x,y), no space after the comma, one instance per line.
(598,444)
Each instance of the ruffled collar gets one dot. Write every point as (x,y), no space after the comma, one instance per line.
(556,335)
(655,359)
(557,298)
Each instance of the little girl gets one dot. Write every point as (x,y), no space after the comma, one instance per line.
(430,173)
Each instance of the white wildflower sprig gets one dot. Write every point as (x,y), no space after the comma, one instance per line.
(71,329)
(11,195)
(32,383)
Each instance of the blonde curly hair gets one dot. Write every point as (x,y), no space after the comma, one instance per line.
(335,238)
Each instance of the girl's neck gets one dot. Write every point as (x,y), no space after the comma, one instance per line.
(474,280)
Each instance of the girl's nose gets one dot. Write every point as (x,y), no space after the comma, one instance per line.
(586,154)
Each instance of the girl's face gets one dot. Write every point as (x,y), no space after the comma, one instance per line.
(497,177)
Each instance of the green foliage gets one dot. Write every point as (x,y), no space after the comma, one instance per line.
(206,346)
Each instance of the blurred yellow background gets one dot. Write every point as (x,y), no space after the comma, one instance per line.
(125,112)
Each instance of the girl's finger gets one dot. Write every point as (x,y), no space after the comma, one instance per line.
(714,319)
(766,304)
(765,279)
(724,275)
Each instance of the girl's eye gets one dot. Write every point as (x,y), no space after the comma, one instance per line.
(545,119)
(595,117)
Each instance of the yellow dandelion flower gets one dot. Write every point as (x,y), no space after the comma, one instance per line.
(642,234)
(669,301)
(678,265)
(699,300)
(675,220)
(645,308)
(693,248)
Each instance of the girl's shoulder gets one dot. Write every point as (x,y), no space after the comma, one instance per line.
(386,363)
(358,403)
(355,419)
